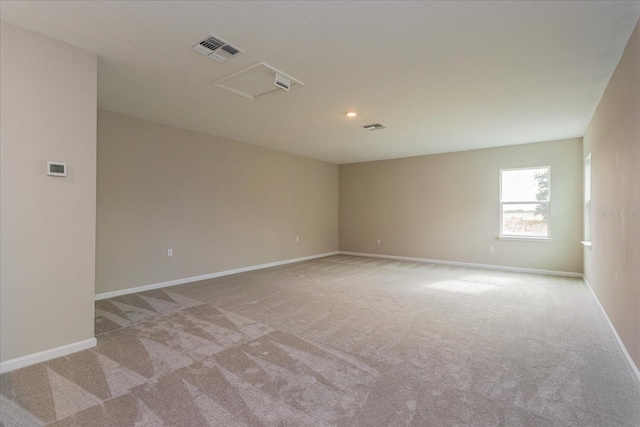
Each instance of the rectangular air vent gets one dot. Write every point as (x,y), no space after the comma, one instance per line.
(282,82)
(375,126)
(216,48)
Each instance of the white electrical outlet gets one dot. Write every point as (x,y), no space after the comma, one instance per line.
(297,239)
(378,241)
(169,252)
(492,248)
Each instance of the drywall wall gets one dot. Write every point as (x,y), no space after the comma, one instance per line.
(446,207)
(48,112)
(612,264)
(218,204)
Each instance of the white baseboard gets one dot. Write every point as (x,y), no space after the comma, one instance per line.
(207,276)
(634,368)
(468,264)
(43,356)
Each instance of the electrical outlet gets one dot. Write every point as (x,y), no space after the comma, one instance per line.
(378,241)
(169,252)
(297,239)
(492,248)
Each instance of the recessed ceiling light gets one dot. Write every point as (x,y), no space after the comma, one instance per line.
(351,114)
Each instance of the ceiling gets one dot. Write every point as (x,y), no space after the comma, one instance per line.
(441,76)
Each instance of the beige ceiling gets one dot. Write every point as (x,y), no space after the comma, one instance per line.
(442,76)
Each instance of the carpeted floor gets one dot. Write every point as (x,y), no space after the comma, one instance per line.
(343,340)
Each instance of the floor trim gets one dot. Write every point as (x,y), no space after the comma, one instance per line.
(43,356)
(468,264)
(634,368)
(207,276)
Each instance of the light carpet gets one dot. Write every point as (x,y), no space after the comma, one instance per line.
(345,341)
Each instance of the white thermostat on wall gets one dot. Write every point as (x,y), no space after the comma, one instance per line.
(56,169)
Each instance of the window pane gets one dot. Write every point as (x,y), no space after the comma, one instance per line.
(525,185)
(587,178)
(526,219)
(587,198)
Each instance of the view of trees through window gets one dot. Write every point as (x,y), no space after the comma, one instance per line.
(525,201)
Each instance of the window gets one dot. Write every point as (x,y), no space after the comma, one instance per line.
(525,202)
(587,198)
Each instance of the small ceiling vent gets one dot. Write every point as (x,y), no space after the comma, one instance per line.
(282,82)
(375,126)
(216,48)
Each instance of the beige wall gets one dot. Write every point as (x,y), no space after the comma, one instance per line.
(612,265)
(446,207)
(218,204)
(48,112)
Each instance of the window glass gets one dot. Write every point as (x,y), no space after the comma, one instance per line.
(525,200)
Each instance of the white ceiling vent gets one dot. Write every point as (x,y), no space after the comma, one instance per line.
(216,48)
(256,81)
(374,126)
(283,82)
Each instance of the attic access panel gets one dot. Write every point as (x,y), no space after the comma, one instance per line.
(256,81)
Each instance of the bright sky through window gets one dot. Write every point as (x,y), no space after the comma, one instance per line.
(520,185)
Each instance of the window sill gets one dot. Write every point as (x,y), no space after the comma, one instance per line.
(526,238)
(586,243)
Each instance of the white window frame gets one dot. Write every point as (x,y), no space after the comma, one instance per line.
(546,238)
